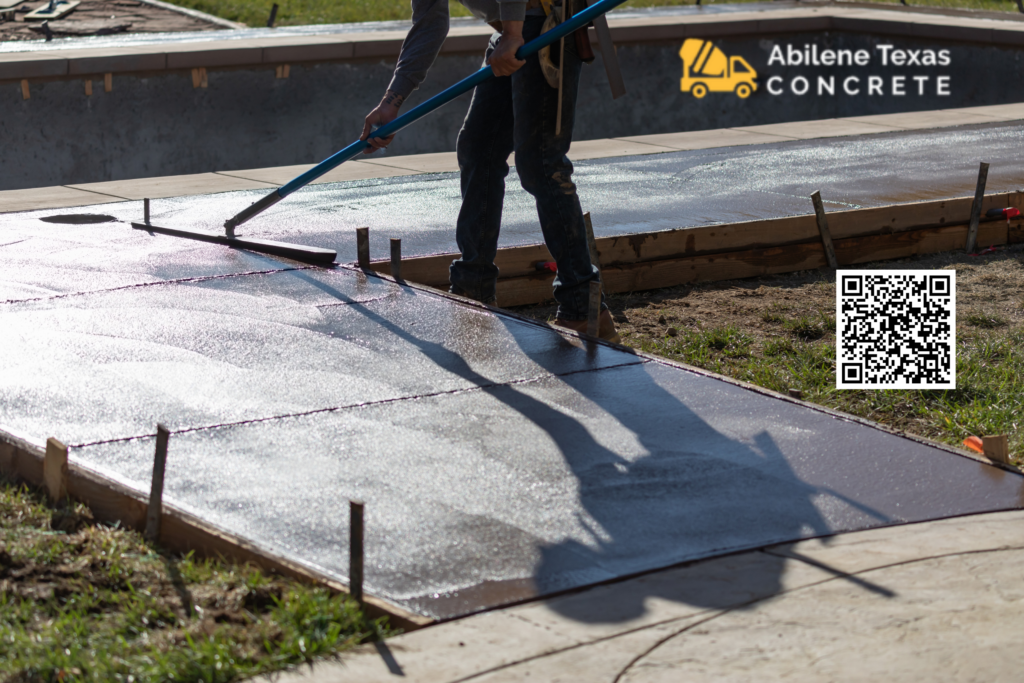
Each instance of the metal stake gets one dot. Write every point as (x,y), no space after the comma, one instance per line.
(355,557)
(979,197)
(156,492)
(145,210)
(363,247)
(396,258)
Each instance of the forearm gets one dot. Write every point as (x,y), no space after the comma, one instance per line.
(512,29)
(421,45)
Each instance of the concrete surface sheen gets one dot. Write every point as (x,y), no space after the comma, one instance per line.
(499,460)
(625,195)
(486,496)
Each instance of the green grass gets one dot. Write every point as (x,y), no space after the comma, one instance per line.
(989,398)
(81,601)
(299,12)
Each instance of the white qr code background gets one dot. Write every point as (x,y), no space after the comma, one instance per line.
(895,329)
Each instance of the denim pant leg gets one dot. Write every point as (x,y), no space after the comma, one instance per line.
(546,172)
(483,147)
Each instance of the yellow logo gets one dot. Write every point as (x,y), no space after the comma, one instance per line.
(705,68)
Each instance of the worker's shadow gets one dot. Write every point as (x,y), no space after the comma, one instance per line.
(687,492)
(691,492)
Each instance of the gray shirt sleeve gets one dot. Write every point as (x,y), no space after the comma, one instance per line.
(421,45)
(430,28)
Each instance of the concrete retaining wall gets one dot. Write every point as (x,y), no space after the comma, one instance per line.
(156,123)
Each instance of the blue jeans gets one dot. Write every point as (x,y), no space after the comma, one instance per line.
(517,113)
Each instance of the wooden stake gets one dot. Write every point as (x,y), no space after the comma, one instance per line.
(594,309)
(25,93)
(202,73)
(363,247)
(156,492)
(196,78)
(979,197)
(88,88)
(561,72)
(997,448)
(396,258)
(355,547)
(55,469)
(826,236)
(108,82)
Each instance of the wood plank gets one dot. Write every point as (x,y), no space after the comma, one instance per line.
(646,275)
(625,249)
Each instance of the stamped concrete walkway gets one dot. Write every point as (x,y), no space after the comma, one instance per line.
(939,601)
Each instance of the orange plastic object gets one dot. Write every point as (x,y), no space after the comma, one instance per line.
(974,443)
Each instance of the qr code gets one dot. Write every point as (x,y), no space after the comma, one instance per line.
(896,329)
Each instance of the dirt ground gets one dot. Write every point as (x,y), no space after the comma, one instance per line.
(988,288)
(780,333)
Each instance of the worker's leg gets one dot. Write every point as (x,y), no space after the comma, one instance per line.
(546,172)
(484,144)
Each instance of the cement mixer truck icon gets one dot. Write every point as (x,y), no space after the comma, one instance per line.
(706,68)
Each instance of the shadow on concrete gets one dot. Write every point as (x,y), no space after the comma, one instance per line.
(623,499)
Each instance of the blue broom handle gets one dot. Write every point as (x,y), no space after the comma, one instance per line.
(437,101)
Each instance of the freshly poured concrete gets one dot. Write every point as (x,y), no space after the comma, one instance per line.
(937,601)
(498,459)
(624,194)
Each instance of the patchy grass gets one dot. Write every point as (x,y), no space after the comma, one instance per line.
(81,601)
(301,12)
(778,332)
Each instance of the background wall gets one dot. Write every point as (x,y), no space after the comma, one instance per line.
(247,118)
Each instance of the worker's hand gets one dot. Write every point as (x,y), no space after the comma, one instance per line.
(503,60)
(386,112)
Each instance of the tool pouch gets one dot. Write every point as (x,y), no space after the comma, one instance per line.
(583,47)
(550,56)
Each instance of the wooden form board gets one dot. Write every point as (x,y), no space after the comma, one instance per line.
(748,249)
(180,532)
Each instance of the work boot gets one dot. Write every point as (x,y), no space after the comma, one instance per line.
(605,328)
(489,301)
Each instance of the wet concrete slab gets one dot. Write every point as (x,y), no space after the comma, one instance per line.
(624,194)
(487,496)
(500,460)
(110,365)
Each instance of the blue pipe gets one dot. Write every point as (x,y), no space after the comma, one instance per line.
(577,21)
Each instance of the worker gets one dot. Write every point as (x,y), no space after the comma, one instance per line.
(515,111)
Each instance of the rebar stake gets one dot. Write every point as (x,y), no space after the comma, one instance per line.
(355,561)
(396,258)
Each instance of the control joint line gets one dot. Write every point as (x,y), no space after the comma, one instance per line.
(351,406)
